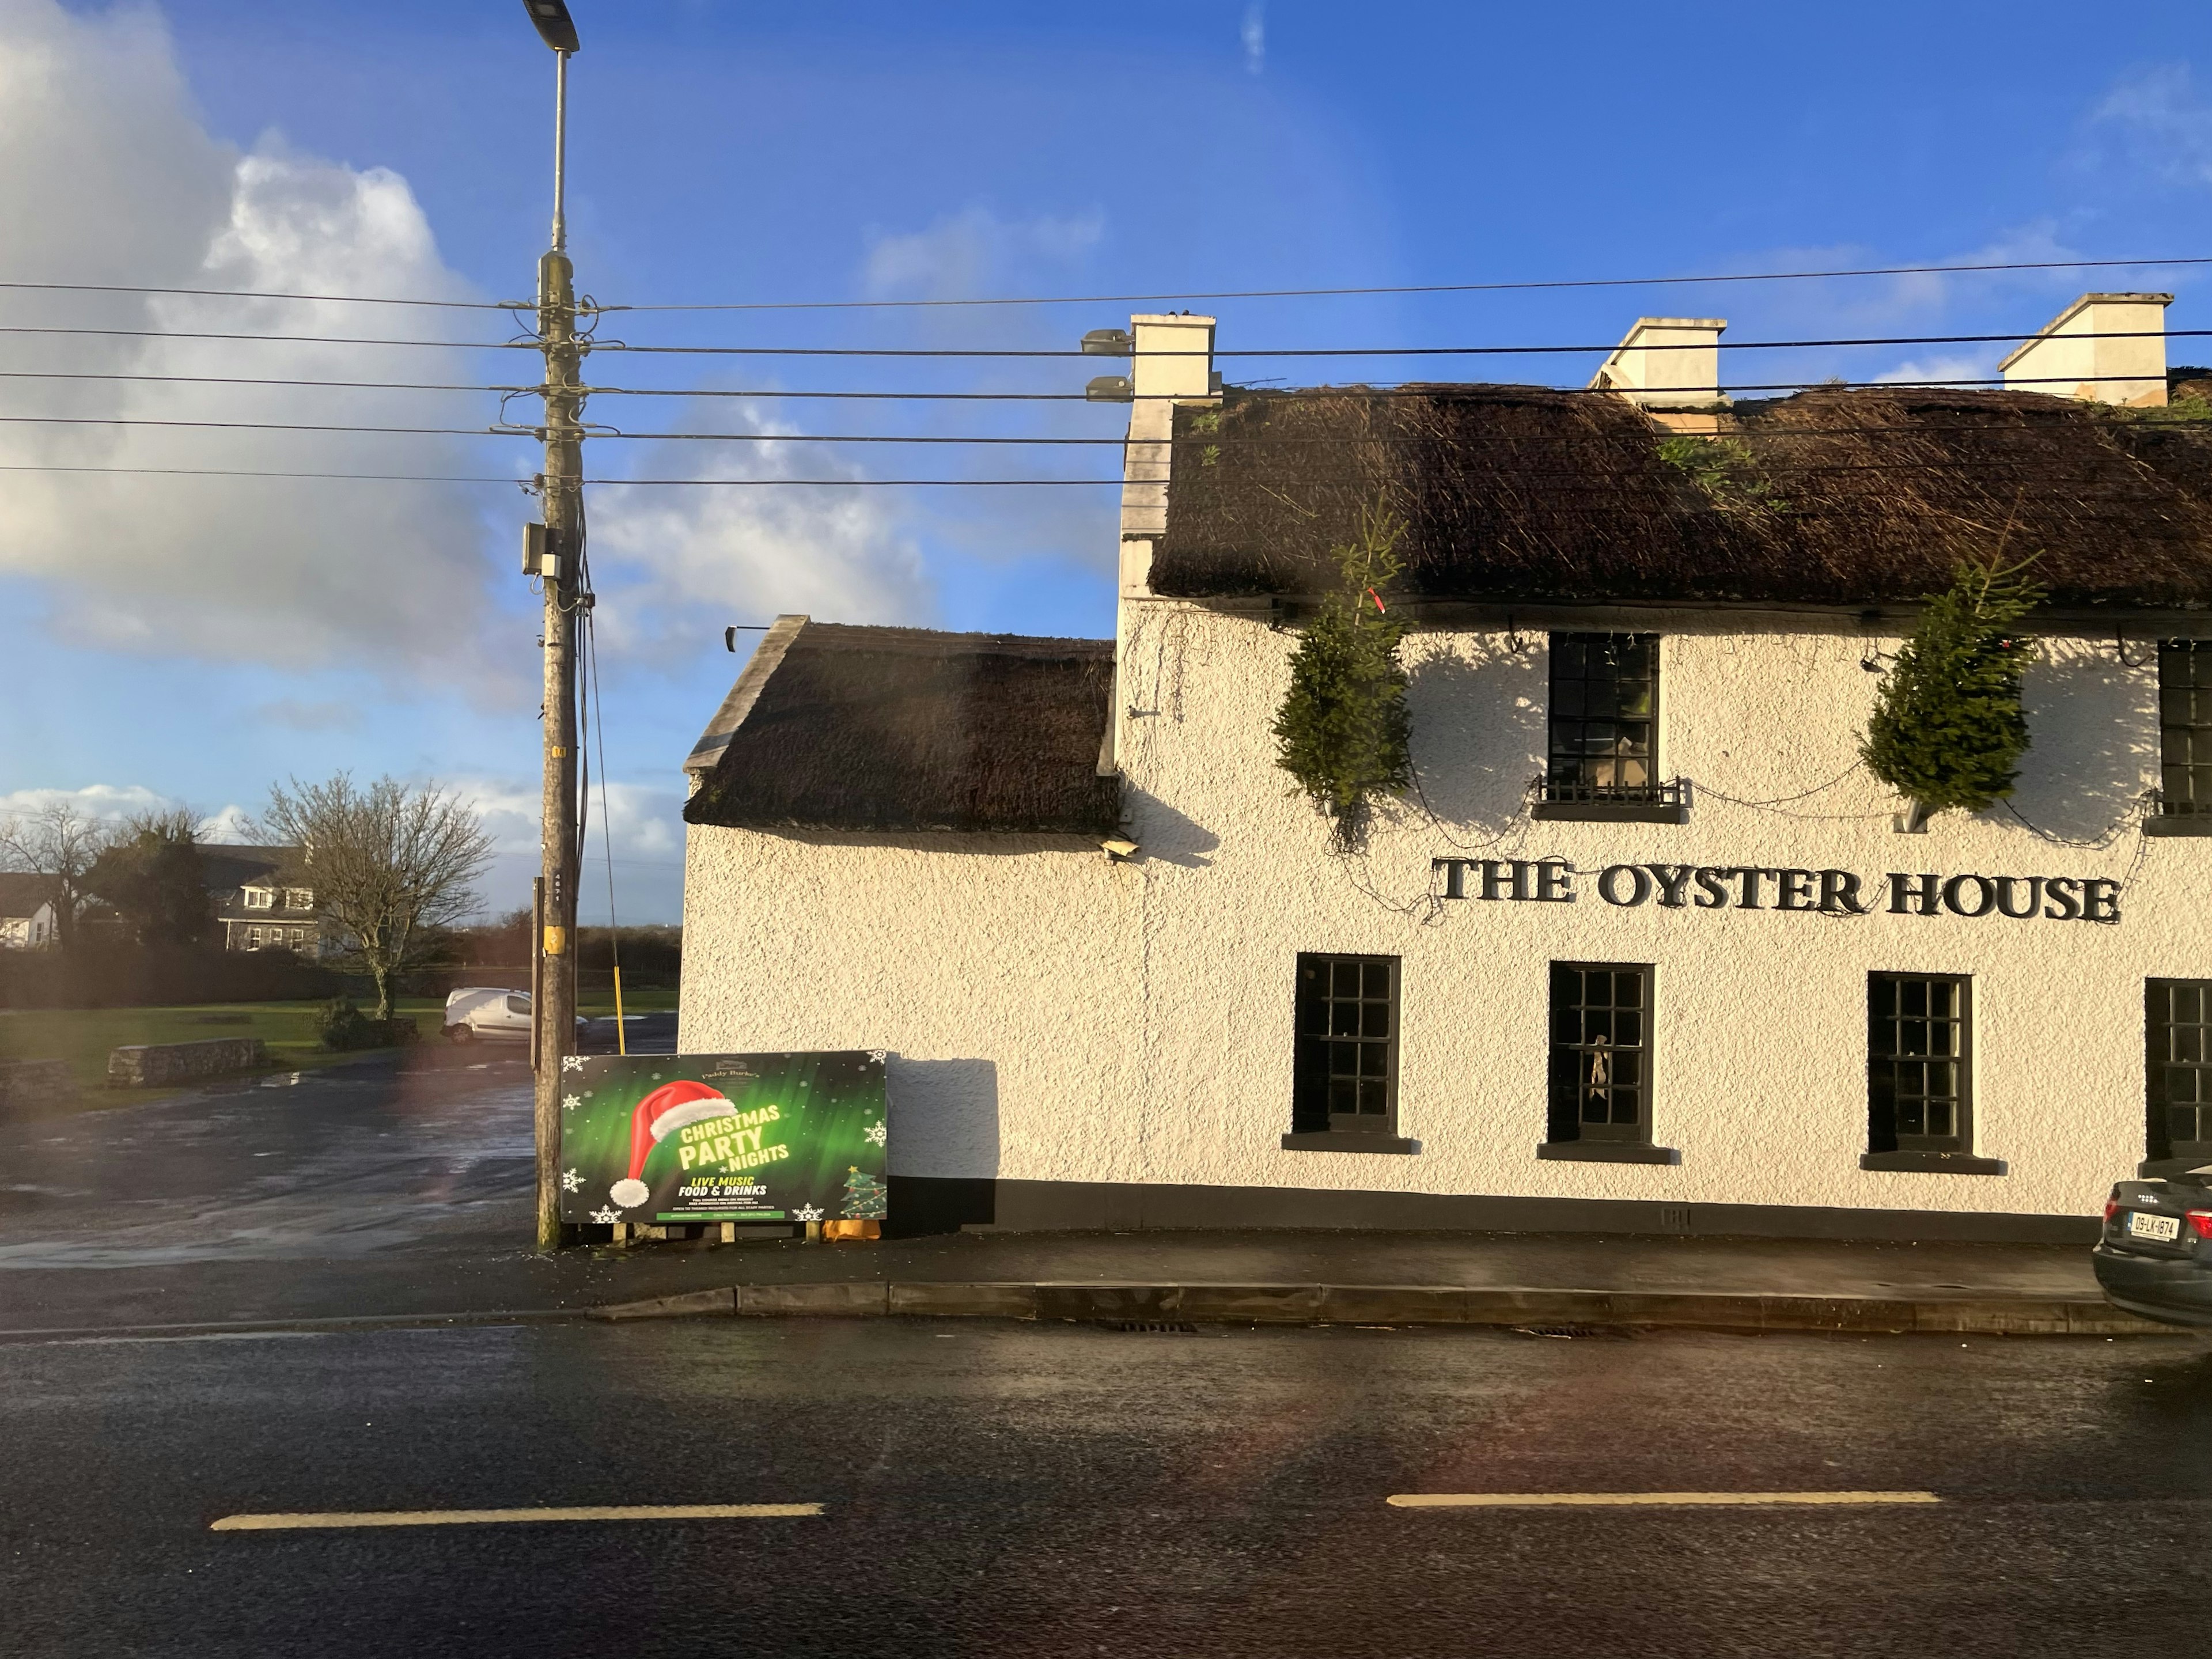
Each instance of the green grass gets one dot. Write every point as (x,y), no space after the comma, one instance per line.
(84,1036)
(636,999)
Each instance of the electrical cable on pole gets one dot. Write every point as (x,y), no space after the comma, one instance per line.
(561,567)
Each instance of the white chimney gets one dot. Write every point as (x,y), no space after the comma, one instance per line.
(1670,366)
(2108,347)
(1172,363)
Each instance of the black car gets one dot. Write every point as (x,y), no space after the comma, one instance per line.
(2155,1256)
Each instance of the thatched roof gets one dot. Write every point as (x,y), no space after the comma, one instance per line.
(835,727)
(1843,498)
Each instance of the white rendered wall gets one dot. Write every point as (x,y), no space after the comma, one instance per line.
(998,970)
(1136,1019)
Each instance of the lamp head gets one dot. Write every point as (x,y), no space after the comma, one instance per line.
(555,27)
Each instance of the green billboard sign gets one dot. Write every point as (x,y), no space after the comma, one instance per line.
(650,1139)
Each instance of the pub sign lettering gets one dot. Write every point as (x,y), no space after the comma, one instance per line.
(1749,887)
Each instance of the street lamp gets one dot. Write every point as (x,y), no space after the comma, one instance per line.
(555,27)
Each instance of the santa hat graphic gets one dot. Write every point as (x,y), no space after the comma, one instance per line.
(666,1110)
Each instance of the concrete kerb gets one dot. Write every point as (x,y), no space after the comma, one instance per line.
(1404,1304)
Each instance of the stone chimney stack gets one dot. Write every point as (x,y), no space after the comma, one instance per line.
(2108,347)
(1670,367)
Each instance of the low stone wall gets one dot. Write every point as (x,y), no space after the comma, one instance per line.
(151,1065)
(27,1084)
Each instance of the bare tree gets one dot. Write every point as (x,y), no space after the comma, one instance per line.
(391,866)
(62,844)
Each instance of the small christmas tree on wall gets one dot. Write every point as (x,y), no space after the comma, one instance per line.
(1948,730)
(865,1196)
(1344,731)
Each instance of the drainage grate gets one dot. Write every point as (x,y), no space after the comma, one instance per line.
(1159,1325)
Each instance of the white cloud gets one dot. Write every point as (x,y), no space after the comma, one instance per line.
(1255,36)
(676,562)
(647,825)
(107,175)
(231,825)
(115,802)
(1944,369)
(95,800)
(2162,127)
(964,254)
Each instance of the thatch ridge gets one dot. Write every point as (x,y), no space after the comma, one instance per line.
(901,729)
(1835,497)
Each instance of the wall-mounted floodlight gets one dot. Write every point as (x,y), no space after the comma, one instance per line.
(555,27)
(1108,342)
(1118,848)
(1110,389)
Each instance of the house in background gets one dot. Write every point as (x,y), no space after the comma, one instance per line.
(256,906)
(26,913)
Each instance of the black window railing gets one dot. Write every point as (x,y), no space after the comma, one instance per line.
(1579,791)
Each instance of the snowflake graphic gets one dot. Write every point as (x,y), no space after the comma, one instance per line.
(570,1180)
(806,1212)
(572,1062)
(605,1216)
(878,1056)
(569,1102)
(873,1134)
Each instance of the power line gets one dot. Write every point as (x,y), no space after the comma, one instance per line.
(251,472)
(241,380)
(320,299)
(999,354)
(1418,287)
(996,440)
(1379,351)
(1130,298)
(2069,499)
(1419,389)
(275,339)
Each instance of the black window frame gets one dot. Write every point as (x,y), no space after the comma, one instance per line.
(1318,1076)
(1890,1060)
(2163,1034)
(2185,730)
(1569,1134)
(1582,732)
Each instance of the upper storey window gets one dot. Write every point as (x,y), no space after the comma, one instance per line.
(1602,757)
(2184,728)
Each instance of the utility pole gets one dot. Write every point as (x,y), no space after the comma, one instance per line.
(560,497)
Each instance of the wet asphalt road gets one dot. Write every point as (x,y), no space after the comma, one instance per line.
(1003,1489)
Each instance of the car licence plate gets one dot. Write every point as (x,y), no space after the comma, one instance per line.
(2164,1228)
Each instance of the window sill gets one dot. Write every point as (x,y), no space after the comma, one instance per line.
(1933,1163)
(2177,824)
(1585,811)
(1606,1152)
(2165,1169)
(1324,1140)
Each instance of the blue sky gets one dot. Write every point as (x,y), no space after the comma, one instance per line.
(190,640)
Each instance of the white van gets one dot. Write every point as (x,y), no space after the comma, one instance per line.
(486,1013)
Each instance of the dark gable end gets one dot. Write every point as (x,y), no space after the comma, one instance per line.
(903,729)
(226,867)
(21,893)
(1843,498)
